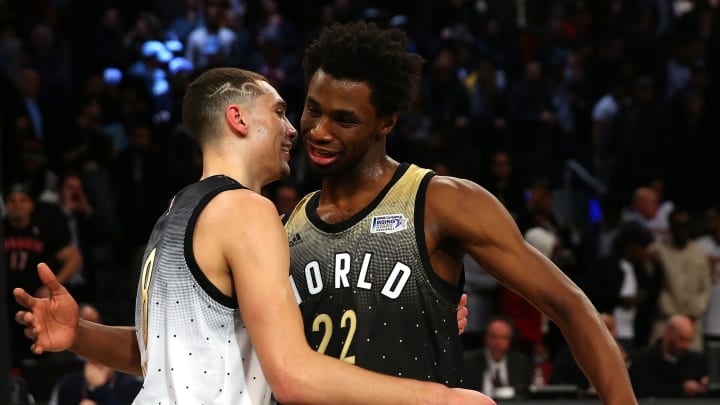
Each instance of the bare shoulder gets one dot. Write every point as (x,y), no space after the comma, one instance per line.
(464,210)
(241,205)
(444,191)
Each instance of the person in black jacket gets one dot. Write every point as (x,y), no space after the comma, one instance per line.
(495,367)
(626,285)
(669,368)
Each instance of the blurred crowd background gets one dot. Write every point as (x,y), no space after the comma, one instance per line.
(595,122)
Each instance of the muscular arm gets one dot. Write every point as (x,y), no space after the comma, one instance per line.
(253,242)
(488,233)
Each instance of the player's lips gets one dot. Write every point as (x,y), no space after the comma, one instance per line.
(321,156)
(286,149)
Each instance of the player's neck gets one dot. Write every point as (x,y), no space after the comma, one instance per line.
(233,166)
(359,185)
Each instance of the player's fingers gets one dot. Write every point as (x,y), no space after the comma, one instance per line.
(29,333)
(23,317)
(48,279)
(463,300)
(23,298)
(462,324)
(462,313)
(37,348)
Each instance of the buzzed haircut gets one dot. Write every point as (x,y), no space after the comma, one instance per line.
(362,52)
(209,94)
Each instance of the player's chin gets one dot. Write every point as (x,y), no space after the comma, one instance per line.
(284,170)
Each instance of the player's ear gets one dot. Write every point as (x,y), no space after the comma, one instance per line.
(387,123)
(236,117)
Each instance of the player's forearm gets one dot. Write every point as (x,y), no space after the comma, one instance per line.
(597,354)
(321,379)
(112,346)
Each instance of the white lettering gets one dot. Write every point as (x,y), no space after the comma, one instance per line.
(363,272)
(296,293)
(342,268)
(394,292)
(314,280)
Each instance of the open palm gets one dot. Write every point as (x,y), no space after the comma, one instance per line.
(50,322)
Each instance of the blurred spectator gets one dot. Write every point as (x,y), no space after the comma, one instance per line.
(444,96)
(503,183)
(49,55)
(19,392)
(146,27)
(641,136)
(647,210)
(496,369)
(710,244)
(487,107)
(611,216)
(211,44)
(535,133)
(95,384)
(81,146)
(670,368)
(527,319)
(75,218)
(286,198)
(141,177)
(185,23)
(687,284)
(28,241)
(33,108)
(279,66)
(626,285)
(539,212)
(603,116)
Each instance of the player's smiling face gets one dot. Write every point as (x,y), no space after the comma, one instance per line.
(272,127)
(339,124)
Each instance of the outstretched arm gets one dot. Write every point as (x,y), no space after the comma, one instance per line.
(255,248)
(54,325)
(489,234)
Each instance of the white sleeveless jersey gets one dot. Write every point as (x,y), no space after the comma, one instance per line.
(193,344)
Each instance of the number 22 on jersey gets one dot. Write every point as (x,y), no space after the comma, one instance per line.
(348,320)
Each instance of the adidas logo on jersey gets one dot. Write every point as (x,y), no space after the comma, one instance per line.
(295,240)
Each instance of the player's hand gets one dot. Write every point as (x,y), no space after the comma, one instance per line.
(463,396)
(462,313)
(50,322)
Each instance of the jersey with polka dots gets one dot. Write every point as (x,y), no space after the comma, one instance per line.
(193,344)
(367,290)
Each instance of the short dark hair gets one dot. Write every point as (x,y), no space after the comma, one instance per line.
(209,94)
(631,233)
(363,52)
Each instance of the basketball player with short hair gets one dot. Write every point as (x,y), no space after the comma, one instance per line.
(377,253)
(216,319)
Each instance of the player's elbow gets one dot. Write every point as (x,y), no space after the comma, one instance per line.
(285,382)
(569,305)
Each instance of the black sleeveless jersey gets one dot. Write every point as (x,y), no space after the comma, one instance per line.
(368,293)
